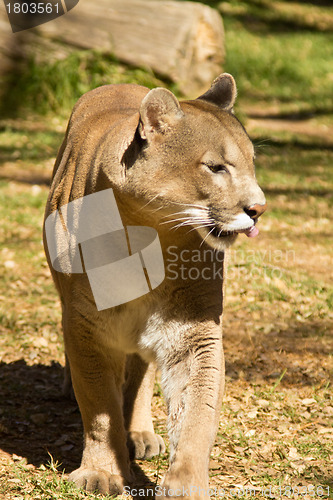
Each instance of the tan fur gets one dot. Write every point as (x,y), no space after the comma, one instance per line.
(157,155)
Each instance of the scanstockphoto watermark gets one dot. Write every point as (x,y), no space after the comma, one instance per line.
(189,491)
(264,256)
(208,264)
(121,263)
(258,264)
(193,264)
(124,263)
(240,491)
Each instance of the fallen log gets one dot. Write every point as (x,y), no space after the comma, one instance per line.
(182,41)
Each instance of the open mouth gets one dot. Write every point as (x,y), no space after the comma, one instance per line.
(218,233)
(251,232)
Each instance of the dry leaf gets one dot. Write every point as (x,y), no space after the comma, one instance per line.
(308,401)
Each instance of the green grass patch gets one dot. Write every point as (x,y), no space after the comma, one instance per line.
(276,55)
(277,51)
(48,482)
(300,167)
(56,86)
(18,143)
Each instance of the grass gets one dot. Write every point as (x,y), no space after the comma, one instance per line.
(273,48)
(270,61)
(48,482)
(27,146)
(279,52)
(276,428)
(55,86)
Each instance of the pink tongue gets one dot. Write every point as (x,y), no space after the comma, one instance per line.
(252,232)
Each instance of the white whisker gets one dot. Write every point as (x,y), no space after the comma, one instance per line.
(189,223)
(150,201)
(207,236)
(192,205)
(181,212)
(172,215)
(174,220)
(186,219)
(208,224)
(196,223)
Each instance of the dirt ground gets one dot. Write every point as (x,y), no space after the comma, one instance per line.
(276,422)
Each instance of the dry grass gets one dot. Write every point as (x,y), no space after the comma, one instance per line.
(276,426)
(276,423)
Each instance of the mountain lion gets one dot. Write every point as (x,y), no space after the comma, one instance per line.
(185,169)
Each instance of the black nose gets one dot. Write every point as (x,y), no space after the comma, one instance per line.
(255,210)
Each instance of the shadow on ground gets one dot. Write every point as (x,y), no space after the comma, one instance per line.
(37,420)
(302,353)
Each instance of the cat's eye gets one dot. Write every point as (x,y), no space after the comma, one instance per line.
(216,168)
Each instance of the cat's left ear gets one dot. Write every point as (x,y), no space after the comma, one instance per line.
(159,112)
(223,92)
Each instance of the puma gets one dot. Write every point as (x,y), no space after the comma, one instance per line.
(185,169)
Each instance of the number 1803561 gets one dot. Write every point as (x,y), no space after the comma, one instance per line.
(32,8)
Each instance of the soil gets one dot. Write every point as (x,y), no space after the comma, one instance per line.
(263,351)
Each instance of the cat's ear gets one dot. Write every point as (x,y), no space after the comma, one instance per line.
(223,92)
(159,111)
